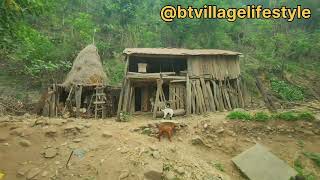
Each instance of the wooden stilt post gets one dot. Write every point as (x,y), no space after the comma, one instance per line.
(188,96)
(126,95)
(122,88)
(193,98)
(78,93)
(120,103)
(68,101)
(156,104)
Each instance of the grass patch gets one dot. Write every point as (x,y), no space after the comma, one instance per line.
(287,116)
(302,172)
(315,157)
(294,116)
(261,116)
(236,115)
(306,116)
(218,166)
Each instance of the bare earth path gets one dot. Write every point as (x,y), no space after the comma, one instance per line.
(38,147)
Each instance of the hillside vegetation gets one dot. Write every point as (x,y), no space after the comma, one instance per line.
(40,39)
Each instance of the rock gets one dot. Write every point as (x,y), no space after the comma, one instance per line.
(123,151)
(205,126)
(156,154)
(51,132)
(33,173)
(50,153)
(22,171)
(6,144)
(180,170)
(79,127)
(309,123)
(24,143)
(136,129)
(77,140)
(106,134)
(4,137)
(316,131)
(173,149)
(147,131)
(197,140)
(27,115)
(17,132)
(88,125)
(153,148)
(169,175)
(231,133)
(307,132)
(153,171)
(124,174)
(220,130)
(44,173)
(71,129)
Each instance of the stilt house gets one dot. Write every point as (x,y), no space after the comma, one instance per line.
(188,81)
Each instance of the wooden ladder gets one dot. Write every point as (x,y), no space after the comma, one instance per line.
(100,101)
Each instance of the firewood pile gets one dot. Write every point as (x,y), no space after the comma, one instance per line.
(11,106)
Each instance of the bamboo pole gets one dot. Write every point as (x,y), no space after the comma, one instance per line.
(205,94)
(126,94)
(200,100)
(122,89)
(240,94)
(211,99)
(188,96)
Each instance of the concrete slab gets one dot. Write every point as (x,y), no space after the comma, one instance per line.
(258,163)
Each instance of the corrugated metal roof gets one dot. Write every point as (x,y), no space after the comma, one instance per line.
(178,52)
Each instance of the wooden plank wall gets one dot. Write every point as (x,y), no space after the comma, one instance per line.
(220,67)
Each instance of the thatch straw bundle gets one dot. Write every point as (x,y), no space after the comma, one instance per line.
(87,69)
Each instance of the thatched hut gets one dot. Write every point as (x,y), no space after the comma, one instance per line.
(85,91)
(189,81)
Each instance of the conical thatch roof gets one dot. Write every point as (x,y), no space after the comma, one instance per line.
(87,69)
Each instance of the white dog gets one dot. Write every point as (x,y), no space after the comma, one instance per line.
(167,111)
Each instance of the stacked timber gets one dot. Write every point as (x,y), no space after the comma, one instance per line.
(213,95)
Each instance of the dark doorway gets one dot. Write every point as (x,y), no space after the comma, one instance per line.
(137,96)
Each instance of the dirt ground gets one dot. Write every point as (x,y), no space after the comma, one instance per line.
(202,148)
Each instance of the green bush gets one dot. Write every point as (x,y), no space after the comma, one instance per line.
(306,116)
(294,116)
(124,117)
(302,172)
(287,116)
(286,91)
(261,116)
(313,156)
(240,115)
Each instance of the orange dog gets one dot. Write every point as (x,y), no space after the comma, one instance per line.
(166,128)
